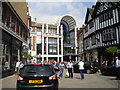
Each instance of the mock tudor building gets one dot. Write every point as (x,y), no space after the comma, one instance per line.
(47,42)
(102,30)
(13,33)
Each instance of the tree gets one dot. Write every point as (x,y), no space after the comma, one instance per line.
(113,50)
(26,55)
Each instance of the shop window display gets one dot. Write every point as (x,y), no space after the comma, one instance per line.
(6,57)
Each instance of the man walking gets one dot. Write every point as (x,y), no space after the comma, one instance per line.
(118,68)
(70,69)
(81,68)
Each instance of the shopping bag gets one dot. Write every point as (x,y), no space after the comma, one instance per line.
(67,74)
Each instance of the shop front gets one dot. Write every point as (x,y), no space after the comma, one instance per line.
(10,53)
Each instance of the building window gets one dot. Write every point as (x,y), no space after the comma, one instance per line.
(39,29)
(91,24)
(93,40)
(60,46)
(52,40)
(10,21)
(6,57)
(106,16)
(52,49)
(45,40)
(86,29)
(109,34)
(87,43)
(15,26)
(52,30)
(68,49)
(44,29)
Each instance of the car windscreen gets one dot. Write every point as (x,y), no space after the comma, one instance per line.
(45,70)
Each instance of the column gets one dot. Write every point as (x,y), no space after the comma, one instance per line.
(58,41)
(62,59)
(36,40)
(117,35)
(47,42)
(58,46)
(42,59)
(57,29)
(0,11)
(57,59)
(61,42)
(47,39)
(42,42)
(47,58)
(76,42)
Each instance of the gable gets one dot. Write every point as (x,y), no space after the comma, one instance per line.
(89,17)
(102,7)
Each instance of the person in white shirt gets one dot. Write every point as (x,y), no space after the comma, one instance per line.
(118,68)
(21,64)
(17,66)
(70,69)
(81,68)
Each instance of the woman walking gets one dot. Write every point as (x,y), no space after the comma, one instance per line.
(62,66)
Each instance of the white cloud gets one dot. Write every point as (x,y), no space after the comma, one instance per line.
(78,12)
(44,18)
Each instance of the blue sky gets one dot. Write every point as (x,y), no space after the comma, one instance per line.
(50,12)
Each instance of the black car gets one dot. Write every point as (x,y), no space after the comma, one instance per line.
(37,76)
(109,70)
(89,67)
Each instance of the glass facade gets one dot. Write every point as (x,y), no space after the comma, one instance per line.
(52,45)
(64,33)
(11,51)
(52,30)
(39,29)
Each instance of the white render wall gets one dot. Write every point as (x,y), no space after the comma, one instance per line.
(40,39)
(48,35)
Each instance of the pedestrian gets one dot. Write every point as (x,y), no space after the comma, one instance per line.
(62,66)
(118,68)
(81,68)
(21,64)
(56,67)
(70,69)
(6,65)
(17,67)
(104,63)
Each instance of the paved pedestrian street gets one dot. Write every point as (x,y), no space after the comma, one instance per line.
(91,81)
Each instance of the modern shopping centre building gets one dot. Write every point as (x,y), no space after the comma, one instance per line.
(54,42)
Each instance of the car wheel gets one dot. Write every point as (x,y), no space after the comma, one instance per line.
(88,71)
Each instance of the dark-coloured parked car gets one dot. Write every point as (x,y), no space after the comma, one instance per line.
(37,76)
(89,67)
(109,70)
